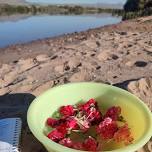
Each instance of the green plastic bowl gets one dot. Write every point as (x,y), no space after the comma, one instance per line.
(134,110)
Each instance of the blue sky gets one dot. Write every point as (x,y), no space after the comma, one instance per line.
(79,1)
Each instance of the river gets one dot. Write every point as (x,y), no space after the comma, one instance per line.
(26,29)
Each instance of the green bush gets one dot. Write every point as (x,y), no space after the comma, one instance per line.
(137,8)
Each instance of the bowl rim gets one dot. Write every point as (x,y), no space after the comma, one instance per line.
(57,147)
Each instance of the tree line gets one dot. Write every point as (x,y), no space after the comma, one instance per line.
(54,9)
(132,9)
(137,8)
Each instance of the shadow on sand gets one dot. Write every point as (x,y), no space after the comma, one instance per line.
(15,105)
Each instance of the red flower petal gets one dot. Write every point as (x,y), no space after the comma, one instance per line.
(72,124)
(90,144)
(66,142)
(94,116)
(86,106)
(113,113)
(67,110)
(92,102)
(52,122)
(62,128)
(107,128)
(56,135)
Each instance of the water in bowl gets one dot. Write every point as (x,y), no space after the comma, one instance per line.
(136,122)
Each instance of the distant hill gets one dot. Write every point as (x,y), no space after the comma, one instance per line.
(101,5)
(13,2)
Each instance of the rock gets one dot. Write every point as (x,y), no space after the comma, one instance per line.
(45,64)
(42,58)
(2,83)
(129,63)
(5,69)
(91,44)
(43,88)
(103,56)
(23,89)
(8,79)
(25,65)
(29,80)
(4,91)
(18,80)
(59,68)
(143,89)
(80,76)
(73,63)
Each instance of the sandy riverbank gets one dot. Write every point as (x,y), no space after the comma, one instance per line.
(118,54)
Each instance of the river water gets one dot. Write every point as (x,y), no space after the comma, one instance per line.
(26,29)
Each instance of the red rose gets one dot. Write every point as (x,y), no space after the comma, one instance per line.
(52,122)
(67,110)
(66,142)
(113,113)
(107,128)
(90,144)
